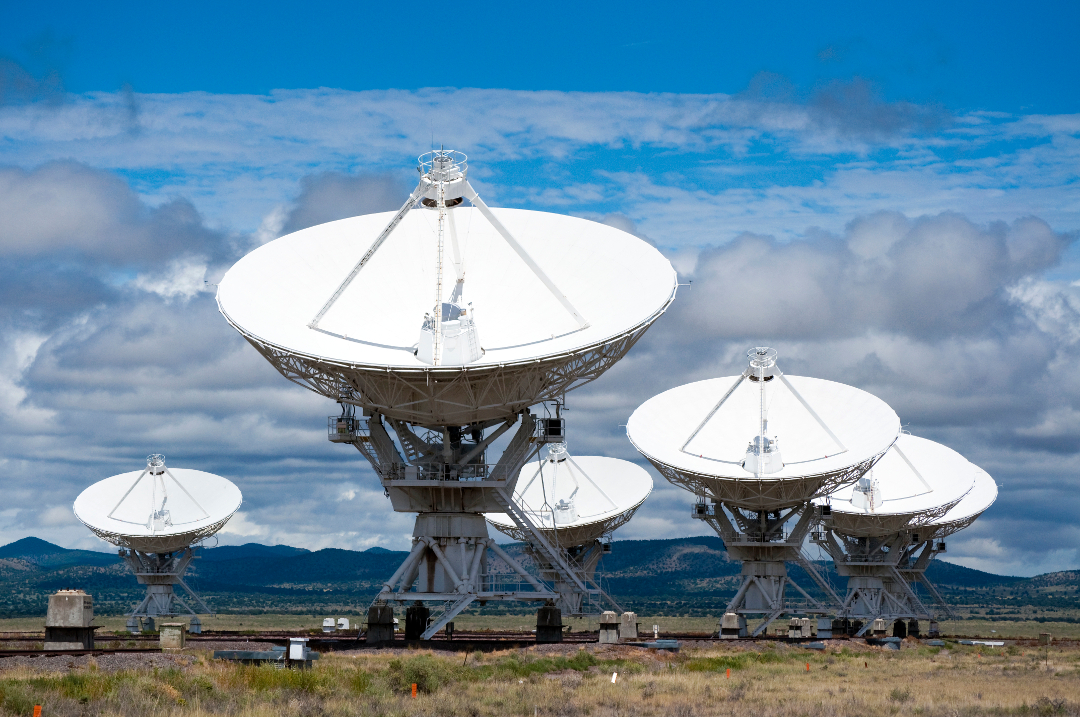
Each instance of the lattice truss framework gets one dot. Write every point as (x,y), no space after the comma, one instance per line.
(452,395)
(876,588)
(159,544)
(759,494)
(461,556)
(160,572)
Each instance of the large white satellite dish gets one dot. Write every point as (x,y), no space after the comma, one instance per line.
(540,294)
(576,499)
(155,516)
(914,483)
(981,496)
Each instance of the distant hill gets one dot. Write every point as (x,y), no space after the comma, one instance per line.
(678,576)
(43,553)
(249,550)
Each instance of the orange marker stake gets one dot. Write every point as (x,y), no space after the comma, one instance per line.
(37,710)
(729,673)
(414,690)
(807,666)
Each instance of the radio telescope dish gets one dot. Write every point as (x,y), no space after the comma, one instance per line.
(155,516)
(756,449)
(575,500)
(526,304)
(158,509)
(817,435)
(916,482)
(981,496)
(877,531)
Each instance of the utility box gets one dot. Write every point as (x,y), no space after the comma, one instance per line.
(416,621)
(173,636)
(343,623)
(609,628)
(549,627)
(328,624)
(628,626)
(824,628)
(732,626)
(879,628)
(67,622)
(380,624)
(934,630)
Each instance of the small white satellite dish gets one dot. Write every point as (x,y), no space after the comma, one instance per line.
(763,440)
(575,500)
(158,509)
(914,483)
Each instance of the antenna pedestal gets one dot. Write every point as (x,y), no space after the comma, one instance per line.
(876,589)
(443,478)
(758,539)
(160,573)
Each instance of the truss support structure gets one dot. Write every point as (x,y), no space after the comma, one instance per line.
(161,573)
(876,587)
(573,601)
(912,568)
(439,473)
(759,541)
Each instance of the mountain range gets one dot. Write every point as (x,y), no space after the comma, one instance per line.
(684,576)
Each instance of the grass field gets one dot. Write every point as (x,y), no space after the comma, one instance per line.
(765,680)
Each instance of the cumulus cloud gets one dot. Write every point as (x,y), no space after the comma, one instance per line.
(330,196)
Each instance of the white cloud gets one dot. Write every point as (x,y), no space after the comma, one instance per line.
(181,279)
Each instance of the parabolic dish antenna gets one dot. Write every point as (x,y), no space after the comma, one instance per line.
(575,500)
(981,496)
(763,449)
(447,314)
(158,509)
(914,483)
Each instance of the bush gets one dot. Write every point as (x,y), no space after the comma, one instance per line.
(899,695)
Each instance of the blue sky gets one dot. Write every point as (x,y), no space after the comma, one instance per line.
(965,55)
(903,179)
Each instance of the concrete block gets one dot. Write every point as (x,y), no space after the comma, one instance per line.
(173,636)
(628,626)
(609,628)
(70,608)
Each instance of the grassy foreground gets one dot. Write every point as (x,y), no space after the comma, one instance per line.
(765,680)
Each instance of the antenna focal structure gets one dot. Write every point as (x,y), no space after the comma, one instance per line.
(756,449)
(437,328)
(156,517)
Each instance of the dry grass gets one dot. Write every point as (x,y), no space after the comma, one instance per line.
(766,680)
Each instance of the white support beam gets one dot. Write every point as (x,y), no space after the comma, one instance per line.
(477,202)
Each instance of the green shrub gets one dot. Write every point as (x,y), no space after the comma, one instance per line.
(16,699)
(427,672)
